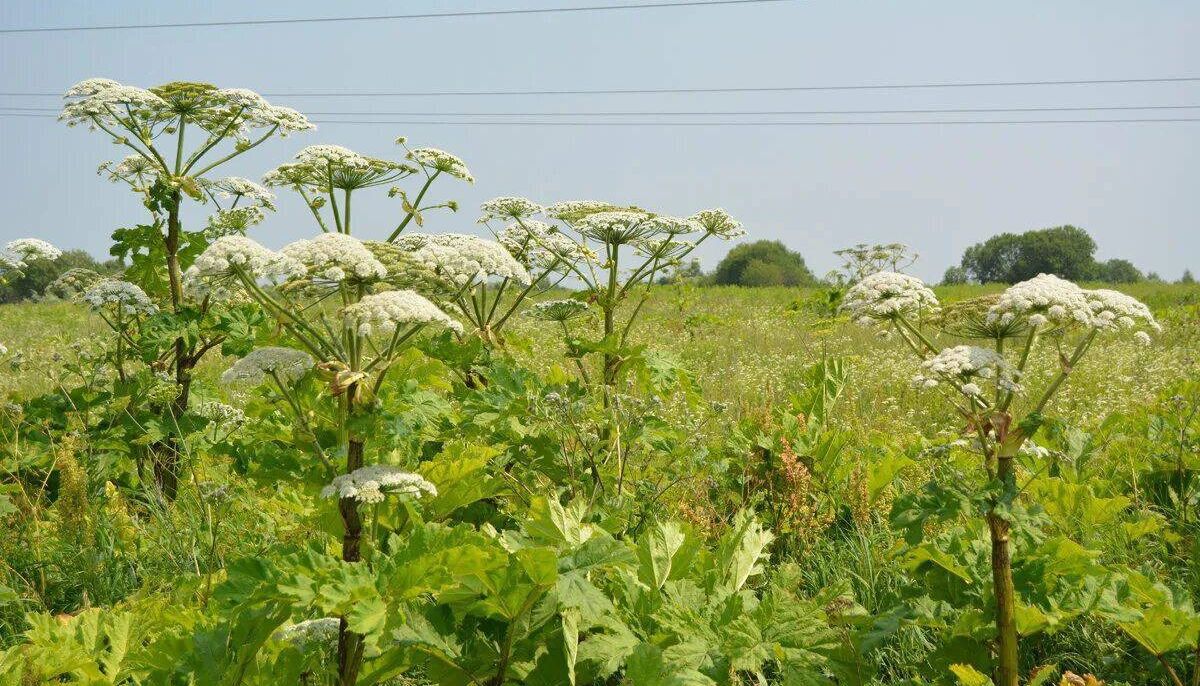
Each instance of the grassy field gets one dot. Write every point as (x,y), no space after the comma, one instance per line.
(1115,486)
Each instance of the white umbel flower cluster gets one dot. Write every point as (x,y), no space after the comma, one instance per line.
(387,311)
(1044,299)
(120,296)
(312,632)
(884,296)
(442,161)
(1112,310)
(24,250)
(571,211)
(509,207)
(288,364)
(233,221)
(462,258)
(558,310)
(719,223)
(371,483)
(226,417)
(238,188)
(967,364)
(617,227)
(539,245)
(331,155)
(105,100)
(231,109)
(73,283)
(230,253)
(336,257)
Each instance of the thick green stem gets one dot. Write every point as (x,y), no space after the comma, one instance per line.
(350,643)
(416,207)
(1007,664)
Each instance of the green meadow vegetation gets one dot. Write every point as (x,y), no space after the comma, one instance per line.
(413,457)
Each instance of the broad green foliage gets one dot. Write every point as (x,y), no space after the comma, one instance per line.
(408,462)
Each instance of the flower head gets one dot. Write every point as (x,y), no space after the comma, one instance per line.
(327,167)
(385,312)
(558,310)
(229,254)
(717,222)
(442,161)
(73,283)
(26,249)
(239,189)
(371,483)
(571,211)
(226,417)
(966,364)
(1112,310)
(1044,299)
(121,296)
(462,258)
(311,632)
(539,245)
(509,207)
(233,221)
(885,296)
(336,257)
(618,227)
(286,364)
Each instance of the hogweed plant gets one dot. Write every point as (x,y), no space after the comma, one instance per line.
(155,125)
(337,299)
(17,254)
(992,389)
(614,252)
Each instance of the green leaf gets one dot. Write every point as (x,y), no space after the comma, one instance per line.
(966,675)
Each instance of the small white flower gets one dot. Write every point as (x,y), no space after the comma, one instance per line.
(26,249)
(462,258)
(1043,299)
(288,364)
(884,296)
(442,161)
(227,417)
(538,245)
(967,364)
(312,632)
(385,312)
(558,310)
(233,253)
(509,207)
(1113,310)
(336,257)
(572,211)
(717,222)
(123,297)
(371,483)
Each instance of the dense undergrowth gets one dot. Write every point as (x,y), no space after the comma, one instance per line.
(434,458)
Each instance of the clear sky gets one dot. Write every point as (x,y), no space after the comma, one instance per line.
(937,188)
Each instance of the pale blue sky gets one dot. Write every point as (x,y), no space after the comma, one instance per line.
(937,188)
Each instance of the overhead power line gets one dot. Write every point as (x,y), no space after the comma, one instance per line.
(657,91)
(712,113)
(927,122)
(391,17)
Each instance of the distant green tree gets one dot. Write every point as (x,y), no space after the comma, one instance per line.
(1118,271)
(1066,251)
(1153,276)
(38,274)
(763,263)
(1187,277)
(692,271)
(955,276)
